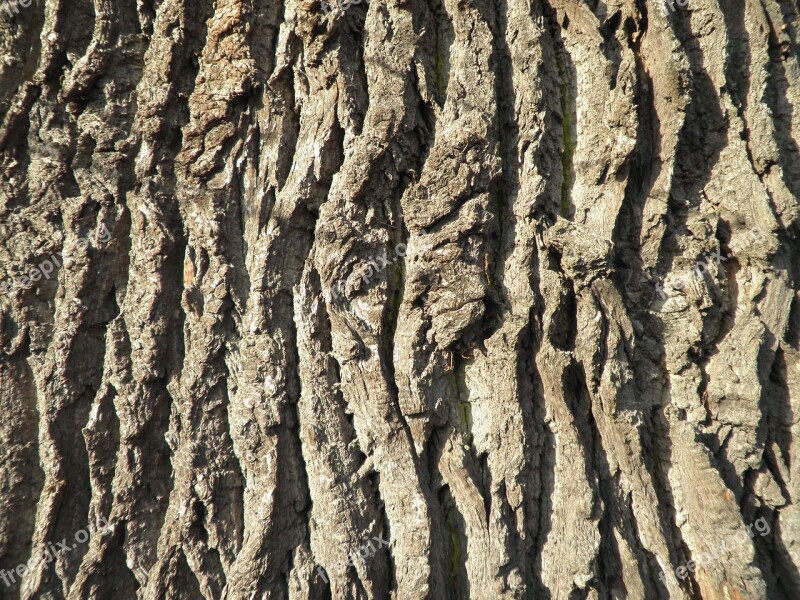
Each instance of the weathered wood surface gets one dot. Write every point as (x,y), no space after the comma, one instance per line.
(510,285)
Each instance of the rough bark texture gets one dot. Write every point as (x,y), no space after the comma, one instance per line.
(437,273)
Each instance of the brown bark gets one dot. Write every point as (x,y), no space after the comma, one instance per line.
(449,299)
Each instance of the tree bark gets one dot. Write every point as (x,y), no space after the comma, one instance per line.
(450,299)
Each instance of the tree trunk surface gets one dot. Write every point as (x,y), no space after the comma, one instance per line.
(411,300)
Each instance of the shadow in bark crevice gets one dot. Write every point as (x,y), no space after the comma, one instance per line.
(108,577)
(780,416)
(457,546)
(782,111)
(703,135)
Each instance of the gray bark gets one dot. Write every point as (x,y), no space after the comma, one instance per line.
(450,299)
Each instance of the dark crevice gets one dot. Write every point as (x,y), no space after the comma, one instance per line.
(335,416)
(212,569)
(113,578)
(776,407)
(567,114)
(444,37)
(183,579)
(78,384)
(659,446)
(501,233)
(703,134)
(645,167)
(563,330)
(545,506)
(578,400)
(456,545)
(778,83)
